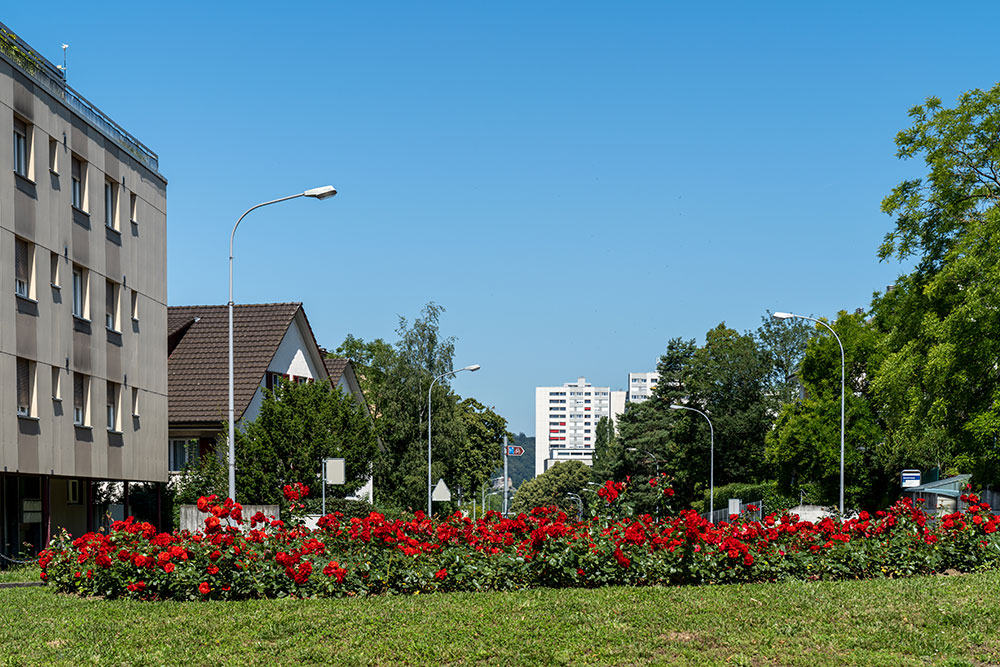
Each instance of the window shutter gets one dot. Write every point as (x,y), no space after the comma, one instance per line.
(23,386)
(21,260)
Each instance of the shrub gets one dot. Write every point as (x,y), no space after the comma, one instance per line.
(350,556)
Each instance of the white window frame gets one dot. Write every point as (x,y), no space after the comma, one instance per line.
(81,408)
(135,401)
(22,148)
(113,404)
(25,371)
(135,305)
(78,189)
(187,445)
(56,383)
(111,204)
(112,311)
(23,286)
(81,293)
(133,208)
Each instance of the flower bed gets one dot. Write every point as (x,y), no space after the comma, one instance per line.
(376,555)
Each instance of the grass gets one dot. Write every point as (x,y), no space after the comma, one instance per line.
(952,621)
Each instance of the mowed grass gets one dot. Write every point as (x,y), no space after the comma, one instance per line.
(950,621)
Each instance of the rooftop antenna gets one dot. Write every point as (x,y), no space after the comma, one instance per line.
(62,68)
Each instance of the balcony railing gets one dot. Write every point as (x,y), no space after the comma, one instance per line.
(22,56)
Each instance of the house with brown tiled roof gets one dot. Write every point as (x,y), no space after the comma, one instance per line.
(271,342)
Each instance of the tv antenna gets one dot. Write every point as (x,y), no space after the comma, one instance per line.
(62,68)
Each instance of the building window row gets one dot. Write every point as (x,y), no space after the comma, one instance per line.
(25,280)
(23,166)
(27,395)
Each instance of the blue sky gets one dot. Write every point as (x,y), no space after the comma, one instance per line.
(576,183)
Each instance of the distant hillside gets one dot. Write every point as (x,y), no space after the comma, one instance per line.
(520,468)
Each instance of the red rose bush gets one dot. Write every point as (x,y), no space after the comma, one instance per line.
(236,557)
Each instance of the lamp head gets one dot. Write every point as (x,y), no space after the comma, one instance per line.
(324,192)
(631,449)
(473,368)
(676,407)
(782,316)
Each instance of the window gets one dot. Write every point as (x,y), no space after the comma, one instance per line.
(56,383)
(111,205)
(53,156)
(81,399)
(135,402)
(80,300)
(22,146)
(23,252)
(135,306)
(112,403)
(133,207)
(181,453)
(79,189)
(111,305)
(25,387)
(73,495)
(54,270)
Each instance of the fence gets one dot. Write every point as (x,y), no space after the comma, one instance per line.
(724,513)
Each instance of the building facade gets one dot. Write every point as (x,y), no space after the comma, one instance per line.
(641,385)
(83,290)
(566,419)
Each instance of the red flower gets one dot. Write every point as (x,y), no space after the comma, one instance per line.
(441,574)
(203,504)
(211,569)
(168,568)
(204,588)
(622,558)
(137,587)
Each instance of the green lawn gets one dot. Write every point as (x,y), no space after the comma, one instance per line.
(921,621)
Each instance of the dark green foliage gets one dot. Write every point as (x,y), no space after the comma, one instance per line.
(767,492)
(805,444)
(937,385)
(550,488)
(298,425)
(201,477)
(396,379)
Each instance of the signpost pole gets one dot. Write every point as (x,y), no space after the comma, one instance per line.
(322,464)
(505,475)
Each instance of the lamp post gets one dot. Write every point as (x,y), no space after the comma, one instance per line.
(711,458)
(656,461)
(324,192)
(473,368)
(785,316)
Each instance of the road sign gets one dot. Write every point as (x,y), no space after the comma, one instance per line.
(334,470)
(514,450)
(911,478)
(441,492)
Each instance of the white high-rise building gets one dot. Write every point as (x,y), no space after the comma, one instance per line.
(566,419)
(640,386)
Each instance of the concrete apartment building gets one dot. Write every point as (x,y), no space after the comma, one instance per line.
(565,421)
(641,385)
(83,349)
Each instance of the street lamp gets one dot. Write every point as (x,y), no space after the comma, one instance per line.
(656,461)
(324,192)
(711,465)
(473,368)
(785,316)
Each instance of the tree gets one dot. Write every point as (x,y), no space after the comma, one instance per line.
(550,488)
(609,453)
(785,342)
(397,379)
(937,385)
(480,453)
(298,425)
(805,443)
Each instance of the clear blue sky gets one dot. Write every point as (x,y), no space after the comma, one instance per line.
(576,183)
